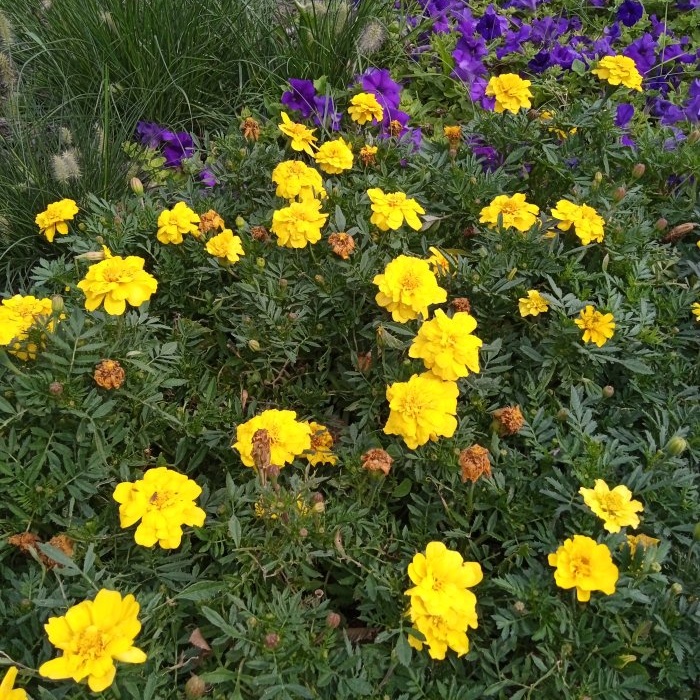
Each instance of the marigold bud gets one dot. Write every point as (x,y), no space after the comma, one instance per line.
(519,607)
(461,304)
(638,170)
(509,420)
(694,136)
(195,687)
(303,532)
(598,178)
(474,462)
(55,388)
(254,345)
(619,194)
(677,445)
(109,374)
(342,244)
(283,283)
(57,304)
(676,589)
(260,262)
(377,460)
(333,620)
(661,224)
(696,532)
(608,391)
(272,640)
(562,415)
(136,185)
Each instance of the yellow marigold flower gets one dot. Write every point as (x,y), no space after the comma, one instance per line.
(441,633)
(533,304)
(334,156)
(615,507)
(390,210)
(7,692)
(364,108)
(10,326)
(510,91)
(211,221)
(634,541)
(588,224)
(407,288)
(619,70)
(93,635)
(439,264)
(116,281)
(321,446)
(20,314)
(302,137)
(597,328)
(516,212)
(585,565)
(422,409)
(289,437)
(225,246)
(53,219)
(368,155)
(163,501)
(695,308)
(173,223)
(296,179)
(446,345)
(453,134)
(298,224)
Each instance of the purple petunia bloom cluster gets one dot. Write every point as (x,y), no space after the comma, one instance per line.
(303,98)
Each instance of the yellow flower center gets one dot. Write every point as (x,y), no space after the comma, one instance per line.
(91,643)
(162,499)
(410,281)
(412,405)
(509,207)
(394,200)
(611,503)
(581,566)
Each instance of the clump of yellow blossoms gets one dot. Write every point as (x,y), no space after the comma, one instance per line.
(515,212)
(226,246)
(422,409)
(321,446)
(619,70)
(364,108)
(615,507)
(17,316)
(296,179)
(439,264)
(533,304)
(93,635)
(289,437)
(7,692)
(390,210)
(510,92)
(407,288)
(641,540)
(585,565)
(53,219)
(588,224)
(334,156)
(446,345)
(301,136)
(163,501)
(695,308)
(442,606)
(298,224)
(597,328)
(116,281)
(174,223)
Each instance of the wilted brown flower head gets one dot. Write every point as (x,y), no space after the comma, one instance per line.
(509,420)
(377,460)
(250,129)
(28,541)
(109,374)
(342,244)
(395,127)
(211,221)
(474,462)
(678,232)
(461,304)
(364,361)
(261,449)
(260,233)
(368,155)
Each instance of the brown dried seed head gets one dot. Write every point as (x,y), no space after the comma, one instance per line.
(377,460)
(211,221)
(461,304)
(678,232)
(395,127)
(109,374)
(261,449)
(342,244)
(474,462)
(259,233)
(509,420)
(368,155)
(250,129)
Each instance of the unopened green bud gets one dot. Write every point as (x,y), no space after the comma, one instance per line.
(619,194)
(195,687)
(137,188)
(57,304)
(676,445)
(240,222)
(676,589)
(260,262)
(661,224)
(638,170)
(608,391)
(254,345)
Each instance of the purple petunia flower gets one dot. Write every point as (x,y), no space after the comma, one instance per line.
(491,25)
(325,113)
(630,12)
(490,158)
(208,178)
(623,115)
(643,52)
(540,62)
(150,134)
(301,97)
(692,108)
(669,113)
(177,145)
(514,41)
(378,81)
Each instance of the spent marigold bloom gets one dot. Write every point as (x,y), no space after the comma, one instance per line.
(407,288)
(334,156)
(259,233)
(510,92)
(368,155)
(55,217)
(615,507)
(321,446)
(225,246)
(516,212)
(115,282)
(640,540)
(597,328)
(296,179)
(422,409)
(7,689)
(377,460)
(509,420)
(342,244)
(461,304)
(695,308)
(619,70)
(439,264)
(211,221)
(163,501)
(174,223)
(301,136)
(585,565)
(533,304)
(109,374)
(298,224)
(93,635)
(588,224)
(250,128)
(474,462)
(289,437)
(390,210)
(364,108)
(446,345)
